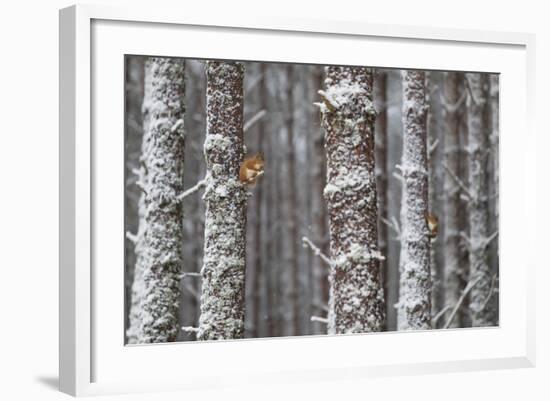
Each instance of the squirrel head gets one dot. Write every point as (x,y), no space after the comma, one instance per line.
(259,160)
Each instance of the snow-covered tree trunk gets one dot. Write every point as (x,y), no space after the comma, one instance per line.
(161,262)
(356,303)
(381,151)
(139,239)
(452,192)
(414,306)
(482,305)
(223,273)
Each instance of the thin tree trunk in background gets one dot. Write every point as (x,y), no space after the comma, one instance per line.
(414,310)
(464,213)
(482,305)
(273,204)
(134,320)
(193,225)
(223,273)
(381,150)
(319,226)
(436,139)
(252,106)
(453,271)
(292,212)
(395,188)
(163,163)
(357,296)
(494,191)
(302,82)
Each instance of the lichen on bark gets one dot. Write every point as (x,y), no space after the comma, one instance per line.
(356,302)
(162,174)
(223,271)
(414,306)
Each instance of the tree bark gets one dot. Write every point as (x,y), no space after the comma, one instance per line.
(139,251)
(356,303)
(414,306)
(157,312)
(482,305)
(453,268)
(223,272)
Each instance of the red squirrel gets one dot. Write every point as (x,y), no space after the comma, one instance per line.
(433,223)
(251,169)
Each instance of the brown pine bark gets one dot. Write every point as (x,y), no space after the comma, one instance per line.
(223,273)
(356,303)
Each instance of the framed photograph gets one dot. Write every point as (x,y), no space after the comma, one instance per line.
(270,200)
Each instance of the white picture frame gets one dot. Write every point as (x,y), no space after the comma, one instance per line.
(93,357)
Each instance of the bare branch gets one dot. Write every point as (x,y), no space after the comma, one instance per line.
(141,185)
(432,146)
(191,291)
(469,87)
(177,125)
(253,83)
(192,190)
(460,300)
(399,177)
(190,329)
(458,181)
(317,252)
(132,237)
(452,108)
(255,118)
(190,274)
(319,319)
(394,225)
(490,238)
(321,306)
(439,314)
(491,289)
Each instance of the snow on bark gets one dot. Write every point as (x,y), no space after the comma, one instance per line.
(223,272)
(356,302)
(139,249)
(414,306)
(157,312)
(453,271)
(482,300)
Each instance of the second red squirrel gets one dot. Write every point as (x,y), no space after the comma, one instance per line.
(251,169)
(433,223)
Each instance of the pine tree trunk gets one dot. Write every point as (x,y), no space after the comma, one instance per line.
(223,272)
(434,83)
(453,271)
(414,307)
(139,251)
(356,302)
(482,305)
(162,237)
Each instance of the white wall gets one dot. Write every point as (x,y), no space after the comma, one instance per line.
(28,199)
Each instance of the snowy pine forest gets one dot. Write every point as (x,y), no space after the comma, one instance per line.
(270,199)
